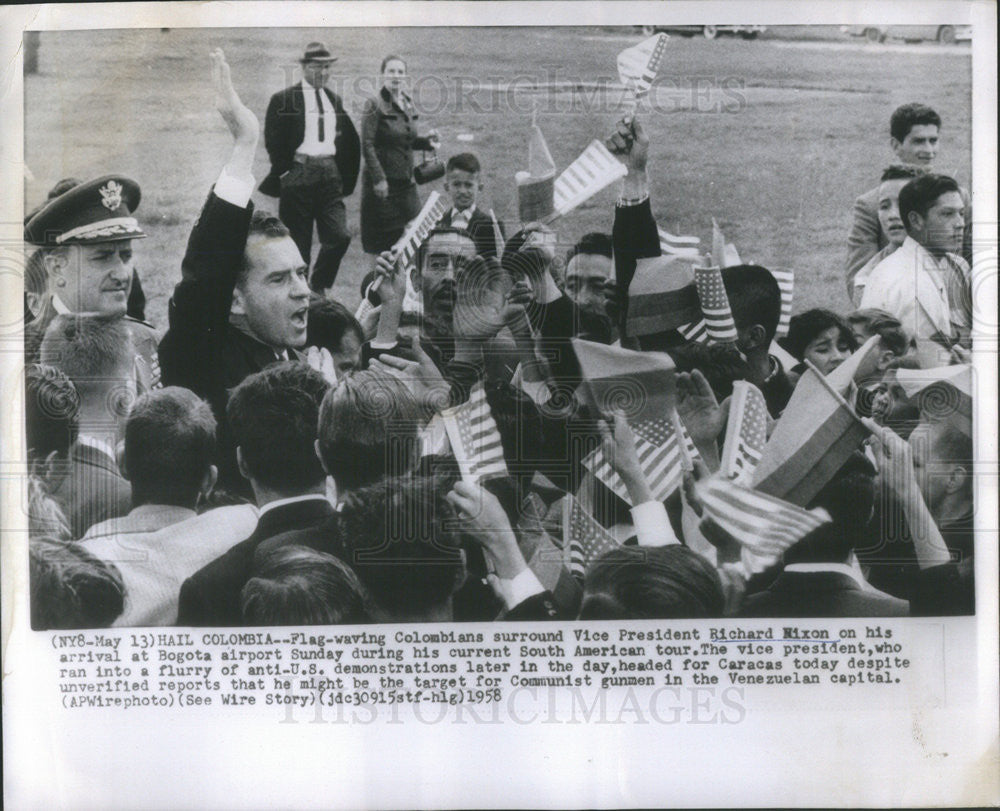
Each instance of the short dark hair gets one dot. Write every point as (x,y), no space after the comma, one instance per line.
(651,582)
(595,243)
(901,171)
(466,162)
(403,545)
(70,588)
(369,428)
(804,328)
(51,411)
(93,351)
(169,446)
(264,224)
(754,297)
(911,115)
(388,59)
(296,585)
(890,330)
(921,193)
(442,229)
(273,415)
(329,321)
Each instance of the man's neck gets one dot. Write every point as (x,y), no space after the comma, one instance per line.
(264,495)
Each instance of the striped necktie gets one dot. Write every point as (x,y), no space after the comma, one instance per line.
(319,102)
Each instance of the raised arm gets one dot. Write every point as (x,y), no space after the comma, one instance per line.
(214,255)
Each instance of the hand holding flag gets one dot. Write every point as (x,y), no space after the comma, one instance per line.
(746,433)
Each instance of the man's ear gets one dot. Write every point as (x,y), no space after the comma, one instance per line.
(885,357)
(895,145)
(754,337)
(957,476)
(238,306)
(915,222)
(56,264)
(208,481)
(319,456)
(241,464)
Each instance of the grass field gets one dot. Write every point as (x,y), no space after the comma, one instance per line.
(775,138)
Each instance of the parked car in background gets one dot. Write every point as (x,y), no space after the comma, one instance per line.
(707,31)
(945,34)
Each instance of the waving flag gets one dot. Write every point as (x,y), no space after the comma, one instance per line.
(586,176)
(683,246)
(535,187)
(764,526)
(659,457)
(637,384)
(638,65)
(715,305)
(816,434)
(474,438)
(746,433)
(584,539)
(786,284)
(661,295)
(696,331)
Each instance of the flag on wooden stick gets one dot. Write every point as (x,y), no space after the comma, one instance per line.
(475,438)
(584,539)
(595,169)
(746,433)
(638,65)
(816,434)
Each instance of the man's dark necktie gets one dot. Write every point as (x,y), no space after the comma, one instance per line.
(319,102)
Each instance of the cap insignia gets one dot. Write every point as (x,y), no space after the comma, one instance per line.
(111,195)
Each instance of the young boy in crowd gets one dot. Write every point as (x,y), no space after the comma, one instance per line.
(463,182)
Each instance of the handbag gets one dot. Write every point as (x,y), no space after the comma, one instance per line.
(428,170)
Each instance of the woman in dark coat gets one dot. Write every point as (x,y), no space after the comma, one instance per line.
(388,137)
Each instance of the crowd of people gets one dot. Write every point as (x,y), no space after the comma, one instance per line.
(270,459)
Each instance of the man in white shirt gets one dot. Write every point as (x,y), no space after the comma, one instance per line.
(925,283)
(315,156)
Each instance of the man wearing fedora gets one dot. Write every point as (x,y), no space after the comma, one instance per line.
(315,157)
(84,236)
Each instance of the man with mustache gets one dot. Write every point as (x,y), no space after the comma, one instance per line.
(243,299)
(85,238)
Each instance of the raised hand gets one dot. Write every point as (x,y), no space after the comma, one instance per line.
(322,361)
(618,447)
(700,412)
(242,123)
(391,278)
(630,143)
(485,520)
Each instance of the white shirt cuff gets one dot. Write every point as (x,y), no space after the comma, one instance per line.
(652,526)
(377,345)
(520,588)
(233,189)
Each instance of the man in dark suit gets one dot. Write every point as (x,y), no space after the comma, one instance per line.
(273,415)
(95,353)
(463,183)
(315,156)
(242,302)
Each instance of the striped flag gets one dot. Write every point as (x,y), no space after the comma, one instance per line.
(786,284)
(584,539)
(661,295)
(638,65)
(816,434)
(746,433)
(474,438)
(715,305)
(636,384)
(586,176)
(696,331)
(765,526)
(659,457)
(683,246)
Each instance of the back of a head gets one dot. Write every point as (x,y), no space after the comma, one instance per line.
(369,428)
(901,171)
(169,447)
(296,585)
(94,351)
(754,297)
(329,321)
(651,582)
(893,334)
(849,498)
(805,327)
(403,545)
(51,411)
(273,415)
(907,116)
(70,588)
(917,196)
(464,161)
(594,243)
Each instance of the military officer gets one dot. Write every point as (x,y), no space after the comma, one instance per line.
(85,238)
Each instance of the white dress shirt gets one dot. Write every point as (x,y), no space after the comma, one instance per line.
(462,218)
(311,144)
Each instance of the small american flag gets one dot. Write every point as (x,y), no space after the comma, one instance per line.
(746,433)
(715,305)
(638,65)
(673,245)
(786,284)
(697,332)
(584,539)
(586,176)
(474,438)
(765,526)
(659,457)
